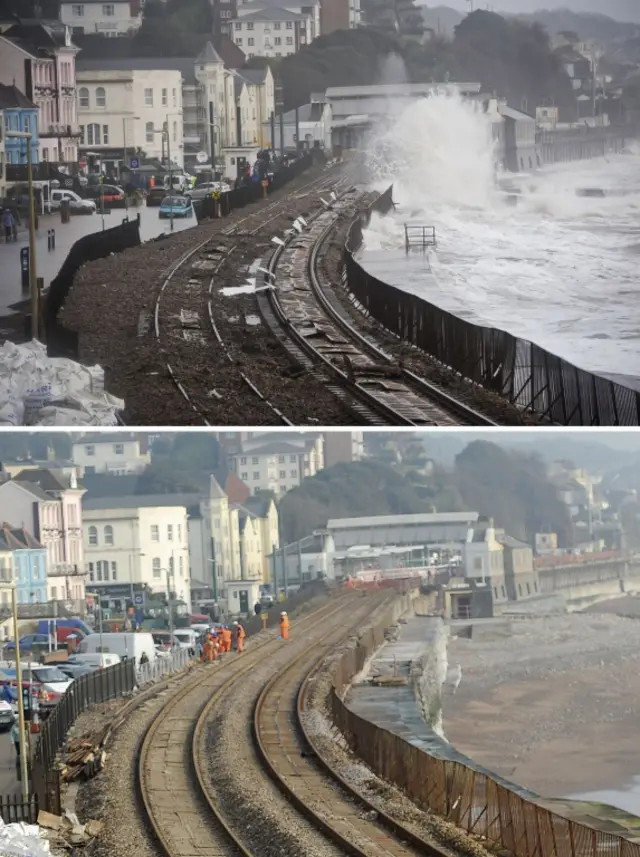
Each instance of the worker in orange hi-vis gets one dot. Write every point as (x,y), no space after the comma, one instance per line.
(208,650)
(284,626)
(226,639)
(240,634)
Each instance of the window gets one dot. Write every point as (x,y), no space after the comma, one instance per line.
(108,10)
(256,475)
(292,459)
(283,474)
(101,97)
(114,571)
(77,10)
(278,40)
(289,40)
(249,25)
(90,450)
(105,134)
(294,474)
(289,25)
(237,25)
(108,535)
(148,98)
(238,41)
(276,26)
(243,461)
(520,589)
(180,532)
(170,532)
(250,41)
(149,130)
(255,460)
(165,97)
(477,563)
(155,565)
(174,97)
(244,476)
(91,572)
(528,589)
(171,569)
(93,134)
(99,571)
(155,533)
(181,570)
(93,536)
(175,132)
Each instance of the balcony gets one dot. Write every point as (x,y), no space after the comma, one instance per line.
(59,131)
(66,569)
(68,91)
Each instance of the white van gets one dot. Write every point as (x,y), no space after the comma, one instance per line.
(126,645)
(97,661)
(76,203)
(187,638)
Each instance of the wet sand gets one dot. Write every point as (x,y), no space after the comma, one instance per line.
(551,704)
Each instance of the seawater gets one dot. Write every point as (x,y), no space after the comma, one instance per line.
(558,269)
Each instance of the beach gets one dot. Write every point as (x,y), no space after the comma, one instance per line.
(552,704)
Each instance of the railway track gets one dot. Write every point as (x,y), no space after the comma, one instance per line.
(306,315)
(175,794)
(186,319)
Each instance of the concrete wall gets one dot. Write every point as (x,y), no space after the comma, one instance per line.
(580,148)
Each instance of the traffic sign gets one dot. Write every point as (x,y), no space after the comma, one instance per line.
(135,163)
(202,157)
(138,598)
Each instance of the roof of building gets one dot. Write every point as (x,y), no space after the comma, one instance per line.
(36,492)
(425,519)
(12,98)
(258,505)
(215,491)
(46,479)
(254,76)
(386,89)
(270,14)
(208,55)
(236,490)
(185,65)
(510,541)
(512,113)
(17,538)
(139,501)
(36,35)
(107,437)
(275,448)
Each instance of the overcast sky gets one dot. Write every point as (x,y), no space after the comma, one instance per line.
(622,10)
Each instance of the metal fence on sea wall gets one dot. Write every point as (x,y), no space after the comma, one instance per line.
(471,799)
(526,375)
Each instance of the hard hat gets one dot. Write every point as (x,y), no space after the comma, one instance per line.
(235,623)
(284,613)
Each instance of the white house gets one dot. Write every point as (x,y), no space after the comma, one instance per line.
(39,58)
(112,18)
(49,505)
(277,462)
(269,32)
(135,542)
(123,105)
(119,454)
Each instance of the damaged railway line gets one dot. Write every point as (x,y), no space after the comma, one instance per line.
(240,724)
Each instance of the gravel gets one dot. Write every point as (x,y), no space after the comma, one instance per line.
(111,306)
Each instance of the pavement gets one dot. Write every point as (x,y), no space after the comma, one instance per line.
(49,263)
(9,784)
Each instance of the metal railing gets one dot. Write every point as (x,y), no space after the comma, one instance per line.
(162,667)
(470,797)
(523,373)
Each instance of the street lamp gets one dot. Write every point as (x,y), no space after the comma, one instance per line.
(33,280)
(96,596)
(124,150)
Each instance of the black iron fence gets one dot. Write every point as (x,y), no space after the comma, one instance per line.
(14,809)
(97,245)
(523,373)
(94,688)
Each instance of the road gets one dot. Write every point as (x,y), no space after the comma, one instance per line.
(48,263)
(9,784)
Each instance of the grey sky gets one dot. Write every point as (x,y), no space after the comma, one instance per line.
(622,10)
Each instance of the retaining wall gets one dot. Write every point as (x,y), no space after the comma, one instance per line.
(472,798)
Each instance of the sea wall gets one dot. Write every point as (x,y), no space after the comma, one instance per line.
(557,147)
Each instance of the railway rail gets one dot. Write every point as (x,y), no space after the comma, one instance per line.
(306,315)
(186,328)
(182,813)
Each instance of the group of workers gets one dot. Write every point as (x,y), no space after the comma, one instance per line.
(224,639)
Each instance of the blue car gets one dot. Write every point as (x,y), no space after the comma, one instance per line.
(29,641)
(176,206)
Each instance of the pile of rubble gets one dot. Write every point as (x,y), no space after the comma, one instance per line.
(84,757)
(53,835)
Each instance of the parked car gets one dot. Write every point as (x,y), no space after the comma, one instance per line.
(29,641)
(77,205)
(94,660)
(176,206)
(203,190)
(74,671)
(7,716)
(155,196)
(107,193)
(48,684)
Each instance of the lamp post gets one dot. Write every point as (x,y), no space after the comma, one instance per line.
(96,595)
(24,764)
(166,132)
(214,127)
(33,277)
(124,150)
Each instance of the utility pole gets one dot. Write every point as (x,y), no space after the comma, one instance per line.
(33,274)
(166,129)
(24,764)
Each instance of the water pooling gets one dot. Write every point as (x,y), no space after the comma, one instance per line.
(558,269)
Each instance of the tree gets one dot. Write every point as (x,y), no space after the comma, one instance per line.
(164,476)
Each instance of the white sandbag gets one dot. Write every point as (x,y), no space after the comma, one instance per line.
(32,383)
